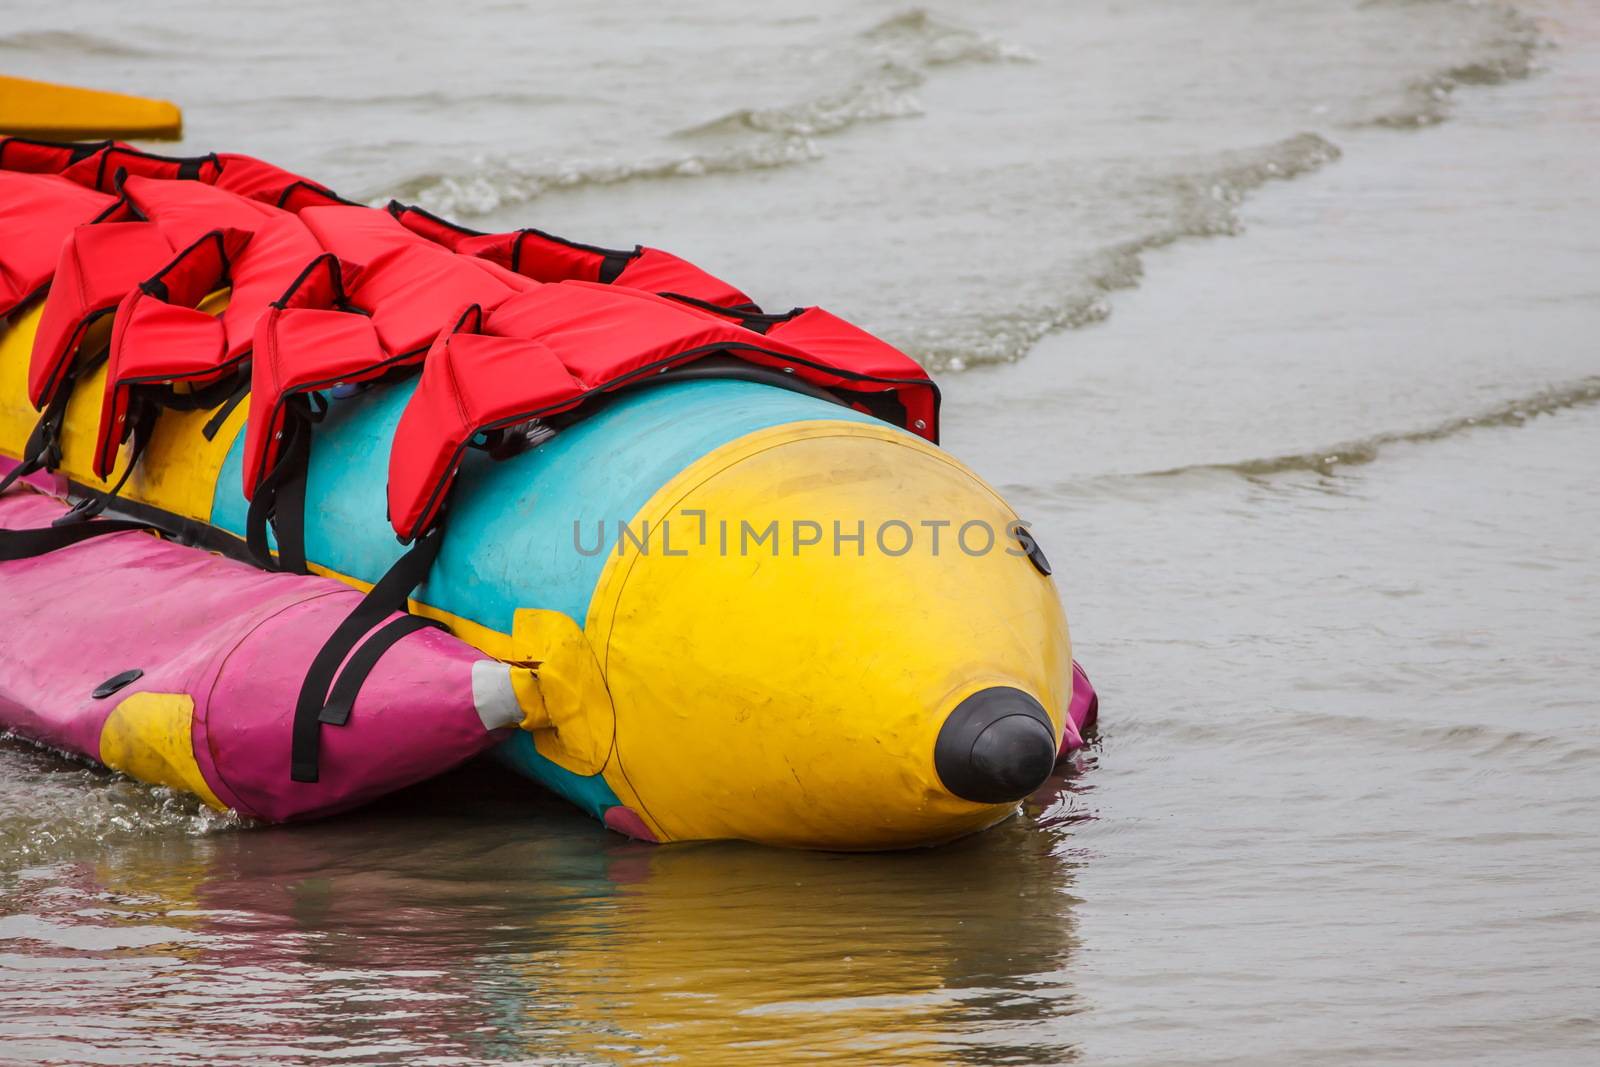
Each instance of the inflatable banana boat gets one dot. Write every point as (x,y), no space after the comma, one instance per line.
(305,501)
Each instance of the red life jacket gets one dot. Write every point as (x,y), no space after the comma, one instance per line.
(547,258)
(158,343)
(412,287)
(99,265)
(373,303)
(881,379)
(37,213)
(60,175)
(256,179)
(160,338)
(97,165)
(29,155)
(535,355)
(102,169)
(102,264)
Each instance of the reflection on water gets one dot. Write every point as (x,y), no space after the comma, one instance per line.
(423,930)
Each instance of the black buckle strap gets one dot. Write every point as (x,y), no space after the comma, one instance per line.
(389,595)
(95,503)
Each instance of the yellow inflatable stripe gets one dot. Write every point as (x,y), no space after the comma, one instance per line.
(147,737)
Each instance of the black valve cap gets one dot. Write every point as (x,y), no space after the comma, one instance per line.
(997,746)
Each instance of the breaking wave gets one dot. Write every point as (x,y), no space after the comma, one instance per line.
(901,51)
(920,37)
(1203,202)
(1505,43)
(897,56)
(887,96)
(492,184)
(1365,450)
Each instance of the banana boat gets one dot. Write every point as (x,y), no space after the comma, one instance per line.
(420,493)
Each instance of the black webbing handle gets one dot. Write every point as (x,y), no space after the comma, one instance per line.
(336,712)
(389,595)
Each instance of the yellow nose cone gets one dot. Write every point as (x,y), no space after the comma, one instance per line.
(790,623)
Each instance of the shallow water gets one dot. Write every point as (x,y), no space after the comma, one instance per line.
(1320,495)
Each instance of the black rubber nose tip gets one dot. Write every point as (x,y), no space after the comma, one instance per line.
(997,746)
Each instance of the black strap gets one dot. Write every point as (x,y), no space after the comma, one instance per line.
(389,595)
(25,544)
(614,264)
(144,420)
(95,503)
(215,423)
(25,466)
(43,452)
(281,499)
(289,518)
(205,397)
(336,712)
(43,448)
